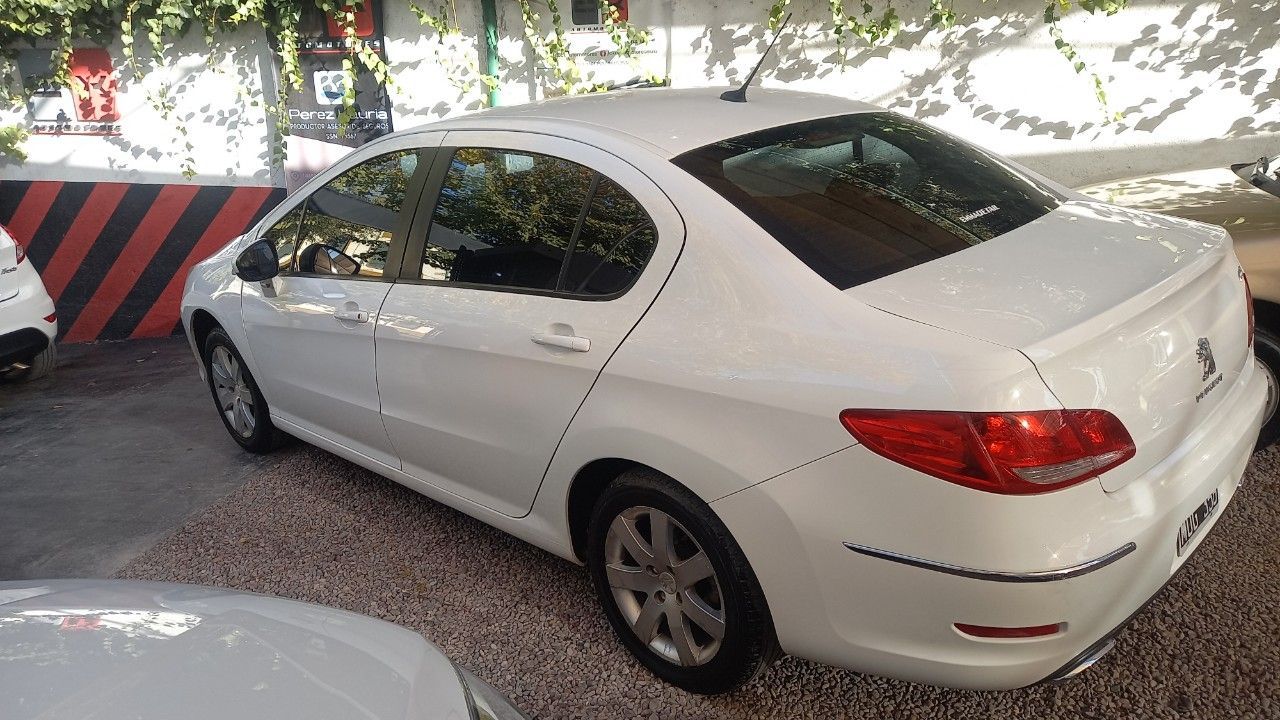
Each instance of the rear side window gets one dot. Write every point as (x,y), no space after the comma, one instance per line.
(615,242)
(523,220)
(858,197)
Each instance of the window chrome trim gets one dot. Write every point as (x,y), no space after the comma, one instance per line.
(1065,573)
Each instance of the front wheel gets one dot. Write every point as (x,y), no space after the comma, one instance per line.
(676,587)
(235,393)
(1266,346)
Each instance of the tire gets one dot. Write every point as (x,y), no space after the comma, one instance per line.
(1266,346)
(37,367)
(649,586)
(236,396)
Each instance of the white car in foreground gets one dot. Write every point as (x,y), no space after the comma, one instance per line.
(793,374)
(120,650)
(28,323)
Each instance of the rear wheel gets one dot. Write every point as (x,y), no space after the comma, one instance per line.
(235,393)
(1266,346)
(37,367)
(676,587)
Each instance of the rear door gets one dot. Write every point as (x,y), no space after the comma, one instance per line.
(310,329)
(533,260)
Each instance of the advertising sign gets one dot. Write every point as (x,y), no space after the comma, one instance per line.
(88,109)
(316,137)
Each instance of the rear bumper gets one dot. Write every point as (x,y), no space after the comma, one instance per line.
(21,345)
(23,329)
(888,617)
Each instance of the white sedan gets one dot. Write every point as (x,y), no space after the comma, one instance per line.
(790,375)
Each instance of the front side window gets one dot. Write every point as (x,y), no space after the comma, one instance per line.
(348,224)
(284,236)
(858,197)
(524,220)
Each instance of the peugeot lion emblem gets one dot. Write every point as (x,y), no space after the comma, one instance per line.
(1204,354)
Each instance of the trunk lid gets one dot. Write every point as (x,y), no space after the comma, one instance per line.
(1139,314)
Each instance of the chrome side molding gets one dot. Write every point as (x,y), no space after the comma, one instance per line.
(1065,573)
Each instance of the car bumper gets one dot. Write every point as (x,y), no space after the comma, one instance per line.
(23,328)
(876,613)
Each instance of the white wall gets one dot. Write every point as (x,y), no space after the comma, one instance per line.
(1199,84)
(229,135)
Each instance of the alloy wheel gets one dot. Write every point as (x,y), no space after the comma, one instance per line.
(665,586)
(235,399)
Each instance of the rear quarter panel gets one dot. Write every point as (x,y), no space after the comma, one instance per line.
(739,370)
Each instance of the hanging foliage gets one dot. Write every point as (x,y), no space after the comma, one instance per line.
(155,25)
(880,26)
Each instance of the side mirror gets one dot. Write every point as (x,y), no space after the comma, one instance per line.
(258,262)
(327,260)
(336,262)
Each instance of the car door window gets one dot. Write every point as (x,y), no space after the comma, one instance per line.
(505,218)
(509,219)
(347,225)
(615,242)
(284,236)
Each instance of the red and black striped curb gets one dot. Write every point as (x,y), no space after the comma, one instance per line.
(114,256)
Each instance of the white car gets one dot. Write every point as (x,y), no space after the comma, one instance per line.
(795,374)
(120,650)
(28,322)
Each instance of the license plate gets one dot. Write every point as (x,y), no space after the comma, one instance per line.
(1196,520)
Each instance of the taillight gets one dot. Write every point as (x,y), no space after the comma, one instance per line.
(1248,301)
(1021,453)
(21,251)
(17,244)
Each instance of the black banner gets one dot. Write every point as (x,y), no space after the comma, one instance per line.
(317,138)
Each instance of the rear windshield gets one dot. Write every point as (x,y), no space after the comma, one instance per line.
(858,197)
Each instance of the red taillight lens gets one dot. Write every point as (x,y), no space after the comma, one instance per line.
(1248,299)
(1007,453)
(17,244)
(987,631)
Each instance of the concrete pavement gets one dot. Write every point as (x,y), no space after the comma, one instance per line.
(106,456)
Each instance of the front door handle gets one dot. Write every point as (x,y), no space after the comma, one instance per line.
(568,342)
(359,316)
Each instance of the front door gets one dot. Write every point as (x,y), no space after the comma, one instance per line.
(540,256)
(310,329)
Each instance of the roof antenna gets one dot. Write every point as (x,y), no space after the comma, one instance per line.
(740,94)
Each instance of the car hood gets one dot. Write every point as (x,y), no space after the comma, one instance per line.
(1216,196)
(113,649)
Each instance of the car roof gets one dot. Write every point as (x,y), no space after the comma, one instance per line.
(667,120)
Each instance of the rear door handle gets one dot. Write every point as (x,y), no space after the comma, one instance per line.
(568,342)
(359,316)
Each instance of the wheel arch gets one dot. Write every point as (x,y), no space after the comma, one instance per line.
(202,323)
(1267,315)
(585,489)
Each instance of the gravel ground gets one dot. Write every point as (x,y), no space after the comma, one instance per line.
(320,529)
